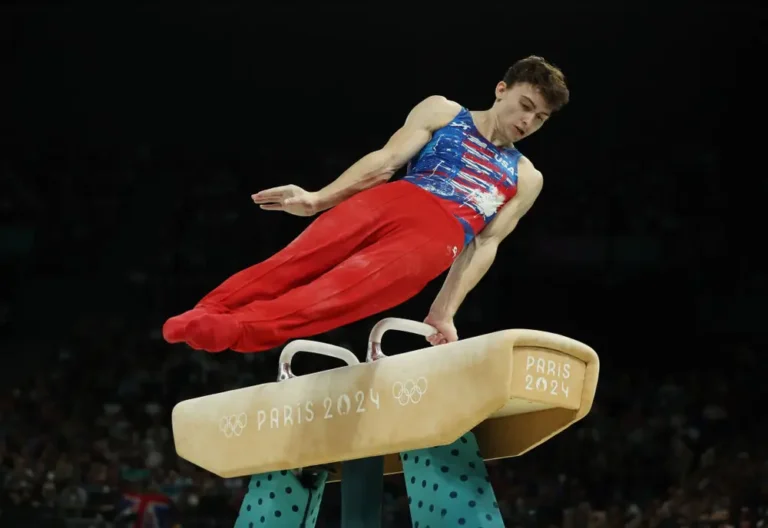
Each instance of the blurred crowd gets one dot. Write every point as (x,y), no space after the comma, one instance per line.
(85,433)
(85,398)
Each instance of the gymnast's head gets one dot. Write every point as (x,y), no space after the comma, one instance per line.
(531,91)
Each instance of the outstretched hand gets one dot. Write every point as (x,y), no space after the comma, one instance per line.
(290,199)
(446,330)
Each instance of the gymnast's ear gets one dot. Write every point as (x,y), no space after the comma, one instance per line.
(501,90)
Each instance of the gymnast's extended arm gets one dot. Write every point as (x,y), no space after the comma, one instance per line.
(379,166)
(478,256)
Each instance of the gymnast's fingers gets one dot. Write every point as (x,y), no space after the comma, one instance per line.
(266,198)
(271,195)
(435,339)
(271,207)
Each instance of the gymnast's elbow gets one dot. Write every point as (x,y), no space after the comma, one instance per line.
(487,242)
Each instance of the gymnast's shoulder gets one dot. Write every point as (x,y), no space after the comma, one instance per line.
(527,171)
(435,111)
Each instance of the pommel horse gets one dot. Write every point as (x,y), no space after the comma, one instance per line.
(434,414)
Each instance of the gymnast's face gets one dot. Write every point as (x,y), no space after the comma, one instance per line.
(520,110)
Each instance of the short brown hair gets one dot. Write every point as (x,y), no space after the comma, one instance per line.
(541,74)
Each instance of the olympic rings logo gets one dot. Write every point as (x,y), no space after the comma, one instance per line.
(233,425)
(409,391)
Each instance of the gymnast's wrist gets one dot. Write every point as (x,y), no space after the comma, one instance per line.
(441,313)
(324,200)
(320,202)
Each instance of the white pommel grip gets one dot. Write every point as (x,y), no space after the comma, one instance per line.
(394,323)
(315,347)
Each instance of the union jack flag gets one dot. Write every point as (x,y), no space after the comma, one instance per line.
(150,510)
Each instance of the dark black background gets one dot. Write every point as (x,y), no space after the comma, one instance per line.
(648,221)
(133,138)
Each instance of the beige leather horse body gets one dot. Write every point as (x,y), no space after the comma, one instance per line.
(514,389)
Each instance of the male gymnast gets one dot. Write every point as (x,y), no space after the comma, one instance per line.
(378,243)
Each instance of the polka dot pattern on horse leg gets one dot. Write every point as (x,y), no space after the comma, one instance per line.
(450,488)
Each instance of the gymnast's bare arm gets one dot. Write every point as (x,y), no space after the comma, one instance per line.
(375,168)
(478,256)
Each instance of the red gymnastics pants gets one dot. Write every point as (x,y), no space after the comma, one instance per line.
(370,253)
